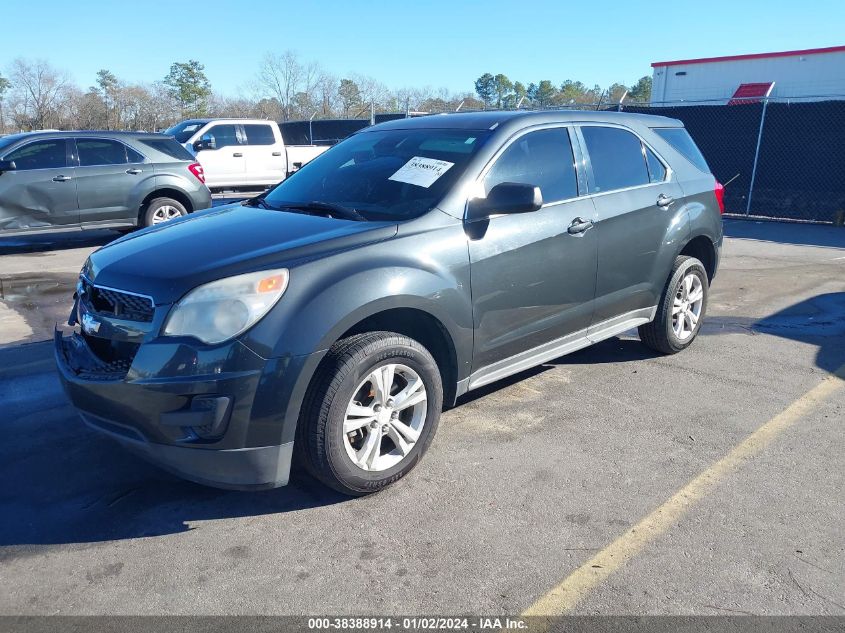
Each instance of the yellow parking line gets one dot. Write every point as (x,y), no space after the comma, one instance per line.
(562,598)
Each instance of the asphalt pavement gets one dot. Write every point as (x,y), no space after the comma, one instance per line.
(526,483)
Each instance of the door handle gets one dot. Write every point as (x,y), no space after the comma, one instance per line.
(664,201)
(277,153)
(134,171)
(579,226)
(61,178)
(237,155)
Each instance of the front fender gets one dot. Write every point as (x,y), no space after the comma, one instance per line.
(327,297)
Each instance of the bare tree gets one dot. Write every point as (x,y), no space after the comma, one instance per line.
(372,91)
(327,95)
(281,77)
(5,84)
(40,92)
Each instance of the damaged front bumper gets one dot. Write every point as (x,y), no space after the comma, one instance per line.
(202,413)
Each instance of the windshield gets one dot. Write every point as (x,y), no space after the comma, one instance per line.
(383,174)
(184,130)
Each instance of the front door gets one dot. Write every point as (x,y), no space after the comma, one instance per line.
(41,191)
(533,281)
(108,172)
(225,165)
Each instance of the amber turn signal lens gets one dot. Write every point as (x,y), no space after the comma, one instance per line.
(270,284)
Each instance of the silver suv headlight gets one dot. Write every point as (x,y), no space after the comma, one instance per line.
(222,309)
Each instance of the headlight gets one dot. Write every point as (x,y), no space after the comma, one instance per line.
(220,310)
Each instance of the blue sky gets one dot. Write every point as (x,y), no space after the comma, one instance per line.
(408,43)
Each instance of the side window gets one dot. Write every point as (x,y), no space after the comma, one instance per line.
(617,158)
(48,154)
(223,135)
(656,170)
(257,134)
(542,158)
(100,151)
(133,156)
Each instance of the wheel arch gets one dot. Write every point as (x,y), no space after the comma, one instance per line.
(703,249)
(424,328)
(165,192)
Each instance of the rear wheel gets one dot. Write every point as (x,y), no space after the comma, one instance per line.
(681,309)
(161,210)
(372,412)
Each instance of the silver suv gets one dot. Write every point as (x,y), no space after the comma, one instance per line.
(66,180)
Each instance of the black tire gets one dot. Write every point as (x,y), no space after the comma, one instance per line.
(659,334)
(320,439)
(156,205)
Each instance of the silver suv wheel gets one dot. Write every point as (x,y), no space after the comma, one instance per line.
(385,417)
(686,307)
(165,213)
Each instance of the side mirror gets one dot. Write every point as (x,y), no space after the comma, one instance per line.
(7,165)
(506,198)
(206,142)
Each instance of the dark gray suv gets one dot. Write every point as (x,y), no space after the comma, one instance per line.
(413,262)
(52,181)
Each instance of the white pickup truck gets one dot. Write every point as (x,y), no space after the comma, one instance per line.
(242,153)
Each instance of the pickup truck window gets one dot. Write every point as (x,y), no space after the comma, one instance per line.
(258,134)
(384,174)
(543,159)
(223,135)
(616,156)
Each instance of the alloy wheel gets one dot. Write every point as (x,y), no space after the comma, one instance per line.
(686,308)
(385,417)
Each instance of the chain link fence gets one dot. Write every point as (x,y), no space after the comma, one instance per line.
(778,158)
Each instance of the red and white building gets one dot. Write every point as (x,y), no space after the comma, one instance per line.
(810,75)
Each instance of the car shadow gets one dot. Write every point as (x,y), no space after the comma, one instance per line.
(785,232)
(818,321)
(64,483)
(74,486)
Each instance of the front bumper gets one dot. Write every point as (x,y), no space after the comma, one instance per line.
(210,415)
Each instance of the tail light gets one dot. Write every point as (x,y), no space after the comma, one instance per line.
(720,196)
(196,170)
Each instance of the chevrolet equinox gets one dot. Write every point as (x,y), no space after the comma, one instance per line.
(332,318)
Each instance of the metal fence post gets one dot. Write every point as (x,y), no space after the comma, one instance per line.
(756,156)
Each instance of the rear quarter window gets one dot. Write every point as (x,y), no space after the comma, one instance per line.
(680,139)
(258,134)
(168,147)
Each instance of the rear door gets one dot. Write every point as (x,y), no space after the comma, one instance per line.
(266,163)
(635,197)
(41,191)
(225,165)
(107,173)
(533,282)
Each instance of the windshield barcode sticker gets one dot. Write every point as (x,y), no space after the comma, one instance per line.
(420,171)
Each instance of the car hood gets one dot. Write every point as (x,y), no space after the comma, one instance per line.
(167,261)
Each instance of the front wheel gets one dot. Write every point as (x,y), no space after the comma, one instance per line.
(681,309)
(371,413)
